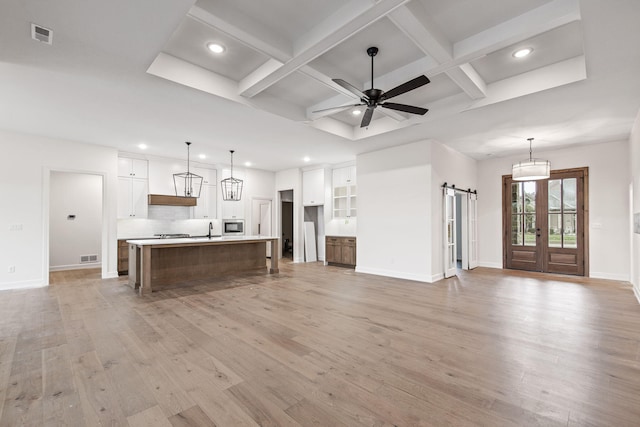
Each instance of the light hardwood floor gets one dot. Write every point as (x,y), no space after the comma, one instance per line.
(322,346)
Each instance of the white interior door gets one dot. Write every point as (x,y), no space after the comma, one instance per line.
(261,219)
(463,221)
(265,223)
(472,220)
(449,232)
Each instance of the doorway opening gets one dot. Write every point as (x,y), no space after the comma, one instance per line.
(544,223)
(75,221)
(286,224)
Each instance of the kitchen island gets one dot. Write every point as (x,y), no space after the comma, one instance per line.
(155,263)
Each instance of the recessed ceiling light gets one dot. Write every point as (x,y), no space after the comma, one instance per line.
(142,146)
(202,156)
(216,48)
(307,159)
(247,164)
(521,53)
(356,112)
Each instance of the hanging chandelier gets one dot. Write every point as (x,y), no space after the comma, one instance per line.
(231,187)
(190,183)
(531,169)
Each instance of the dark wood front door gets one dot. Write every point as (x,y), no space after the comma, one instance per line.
(544,223)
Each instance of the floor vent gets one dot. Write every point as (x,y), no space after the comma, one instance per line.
(88,258)
(41,34)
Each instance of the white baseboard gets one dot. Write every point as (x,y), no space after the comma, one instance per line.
(609,276)
(395,274)
(436,277)
(497,265)
(110,275)
(75,266)
(27,284)
(636,292)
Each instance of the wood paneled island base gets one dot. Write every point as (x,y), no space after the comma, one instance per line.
(158,263)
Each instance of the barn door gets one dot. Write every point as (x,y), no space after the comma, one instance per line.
(472,229)
(450,256)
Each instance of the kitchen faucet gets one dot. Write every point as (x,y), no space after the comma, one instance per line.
(210,228)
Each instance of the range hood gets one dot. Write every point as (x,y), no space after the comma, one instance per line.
(161,199)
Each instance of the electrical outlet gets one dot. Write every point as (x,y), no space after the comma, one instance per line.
(12,269)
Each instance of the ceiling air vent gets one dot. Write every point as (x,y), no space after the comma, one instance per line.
(41,34)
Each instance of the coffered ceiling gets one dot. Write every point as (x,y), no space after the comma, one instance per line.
(129,73)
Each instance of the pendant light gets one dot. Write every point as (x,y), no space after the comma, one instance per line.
(531,169)
(190,183)
(231,187)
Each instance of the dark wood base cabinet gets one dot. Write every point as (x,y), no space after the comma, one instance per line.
(341,250)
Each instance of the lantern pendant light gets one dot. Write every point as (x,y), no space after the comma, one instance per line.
(531,169)
(191,184)
(231,187)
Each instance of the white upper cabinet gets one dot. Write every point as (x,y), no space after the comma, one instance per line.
(206,204)
(313,187)
(132,168)
(132,198)
(208,175)
(344,192)
(132,188)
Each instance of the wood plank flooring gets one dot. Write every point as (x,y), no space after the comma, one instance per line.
(322,346)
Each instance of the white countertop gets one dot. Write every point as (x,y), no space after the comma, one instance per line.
(203,240)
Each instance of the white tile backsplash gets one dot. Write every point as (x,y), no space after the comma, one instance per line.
(341,227)
(169,213)
(138,228)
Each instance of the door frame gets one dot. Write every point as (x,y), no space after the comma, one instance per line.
(554,175)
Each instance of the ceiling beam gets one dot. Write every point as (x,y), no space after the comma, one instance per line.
(341,25)
(537,21)
(415,23)
(259,39)
(264,42)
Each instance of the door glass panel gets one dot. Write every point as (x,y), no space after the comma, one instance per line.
(516,197)
(530,230)
(569,192)
(569,230)
(555,195)
(516,229)
(555,230)
(529,196)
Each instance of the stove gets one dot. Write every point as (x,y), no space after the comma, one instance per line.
(171,236)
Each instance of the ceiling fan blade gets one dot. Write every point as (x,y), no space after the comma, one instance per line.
(351,88)
(406,87)
(366,119)
(406,108)
(337,108)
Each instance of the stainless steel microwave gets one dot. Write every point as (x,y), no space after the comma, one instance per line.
(232,227)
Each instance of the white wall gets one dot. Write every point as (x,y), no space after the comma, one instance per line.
(634,155)
(25,167)
(608,205)
(291,179)
(69,239)
(394,213)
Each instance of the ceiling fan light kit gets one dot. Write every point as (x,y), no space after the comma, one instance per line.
(531,169)
(372,98)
